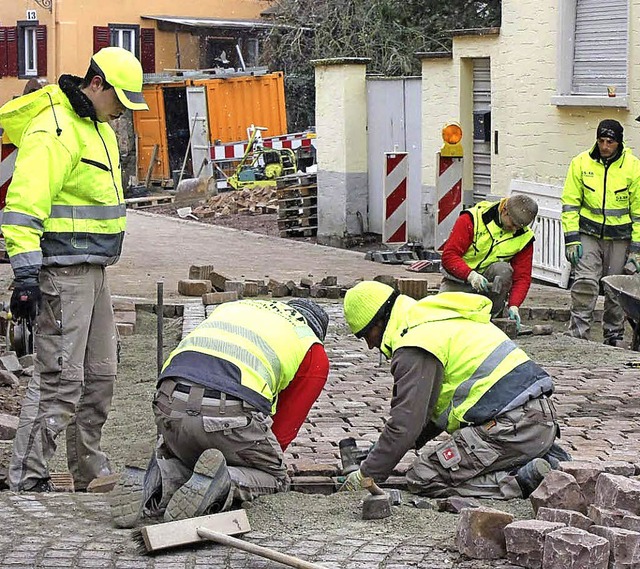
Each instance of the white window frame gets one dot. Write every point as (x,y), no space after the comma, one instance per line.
(30,48)
(566,47)
(118,33)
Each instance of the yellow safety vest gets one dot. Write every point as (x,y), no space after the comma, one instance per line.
(265,340)
(603,201)
(485,373)
(65,204)
(491,243)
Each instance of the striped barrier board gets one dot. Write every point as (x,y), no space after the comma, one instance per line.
(394,223)
(449,197)
(236,150)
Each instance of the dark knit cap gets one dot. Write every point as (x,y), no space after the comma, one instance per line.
(610,128)
(314,314)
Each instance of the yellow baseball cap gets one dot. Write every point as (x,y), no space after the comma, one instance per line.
(123,71)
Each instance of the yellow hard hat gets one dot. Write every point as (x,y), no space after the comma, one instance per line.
(365,303)
(123,71)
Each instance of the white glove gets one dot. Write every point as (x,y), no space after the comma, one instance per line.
(478,282)
(514,314)
(353,482)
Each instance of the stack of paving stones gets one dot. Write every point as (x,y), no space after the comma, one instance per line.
(124,313)
(587,516)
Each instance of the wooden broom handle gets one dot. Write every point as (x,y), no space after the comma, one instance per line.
(265,552)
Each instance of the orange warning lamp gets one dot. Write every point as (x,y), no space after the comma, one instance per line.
(451,136)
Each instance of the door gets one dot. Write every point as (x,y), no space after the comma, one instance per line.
(482,129)
(199,123)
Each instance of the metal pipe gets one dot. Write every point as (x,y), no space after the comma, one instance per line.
(160,322)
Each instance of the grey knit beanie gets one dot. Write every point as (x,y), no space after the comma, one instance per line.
(314,314)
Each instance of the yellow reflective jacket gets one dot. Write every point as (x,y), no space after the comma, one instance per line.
(485,373)
(602,200)
(65,204)
(250,349)
(491,243)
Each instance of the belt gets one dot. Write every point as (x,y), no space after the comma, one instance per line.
(209,393)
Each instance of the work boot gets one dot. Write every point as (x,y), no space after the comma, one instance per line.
(531,475)
(125,500)
(42,485)
(555,455)
(615,341)
(208,491)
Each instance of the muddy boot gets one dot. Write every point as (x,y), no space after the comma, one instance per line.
(125,499)
(208,491)
(555,455)
(531,475)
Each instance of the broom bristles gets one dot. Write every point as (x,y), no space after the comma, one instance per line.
(137,535)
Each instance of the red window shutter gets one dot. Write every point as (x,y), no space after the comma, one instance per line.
(41,43)
(101,38)
(148,50)
(12,51)
(3,51)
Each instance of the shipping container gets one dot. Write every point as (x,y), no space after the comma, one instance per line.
(191,114)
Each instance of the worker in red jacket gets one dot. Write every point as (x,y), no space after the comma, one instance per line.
(490,252)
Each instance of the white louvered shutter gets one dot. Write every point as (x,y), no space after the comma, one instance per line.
(601,47)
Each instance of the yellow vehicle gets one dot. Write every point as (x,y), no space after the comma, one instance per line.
(260,167)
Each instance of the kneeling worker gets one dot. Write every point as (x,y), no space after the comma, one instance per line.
(454,371)
(218,390)
(490,252)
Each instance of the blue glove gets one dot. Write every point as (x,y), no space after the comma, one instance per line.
(573,253)
(353,483)
(514,314)
(478,282)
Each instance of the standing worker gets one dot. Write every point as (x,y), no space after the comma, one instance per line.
(490,252)
(601,224)
(217,440)
(63,223)
(454,371)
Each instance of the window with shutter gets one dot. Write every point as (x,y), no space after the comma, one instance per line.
(126,37)
(601,47)
(593,36)
(148,50)
(100,38)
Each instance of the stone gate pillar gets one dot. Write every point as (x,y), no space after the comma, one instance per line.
(341,125)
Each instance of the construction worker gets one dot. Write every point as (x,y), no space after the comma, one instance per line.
(490,252)
(454,371)
(217,393)
(63,223)
(601,224)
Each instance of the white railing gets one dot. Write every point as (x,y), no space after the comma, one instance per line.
(549,263)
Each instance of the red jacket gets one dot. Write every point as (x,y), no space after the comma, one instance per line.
(295,401)
(461,239)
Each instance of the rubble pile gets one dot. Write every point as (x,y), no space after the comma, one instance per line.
(247,201)
(587,515)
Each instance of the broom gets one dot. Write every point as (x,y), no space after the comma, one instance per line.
(216,527)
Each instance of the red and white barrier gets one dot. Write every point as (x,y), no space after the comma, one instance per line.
(448,196)
(236,150)
(394,224)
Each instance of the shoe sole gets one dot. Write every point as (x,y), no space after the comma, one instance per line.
(125,499)
(188,499)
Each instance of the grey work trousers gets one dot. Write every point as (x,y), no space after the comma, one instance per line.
(488,455)
(600,258)
(242,433)
(75,368)
(501,270)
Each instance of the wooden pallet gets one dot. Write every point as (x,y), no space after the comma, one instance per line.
(299,232)
(148,201)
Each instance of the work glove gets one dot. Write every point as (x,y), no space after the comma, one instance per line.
(25,300)
(633,260)
(573,253)
(514,314)
(353,483)
(478,282)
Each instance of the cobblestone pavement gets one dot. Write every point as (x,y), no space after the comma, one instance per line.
(597,401)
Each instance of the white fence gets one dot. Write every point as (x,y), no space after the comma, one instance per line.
(549,263)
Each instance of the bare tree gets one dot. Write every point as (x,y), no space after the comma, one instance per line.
(389,32)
